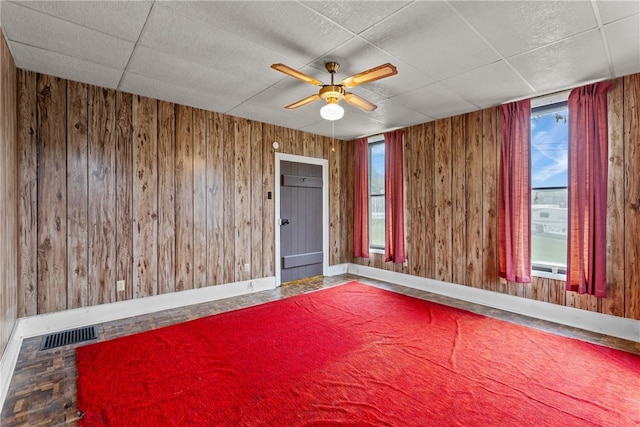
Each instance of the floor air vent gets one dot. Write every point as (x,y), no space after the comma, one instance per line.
(72,336)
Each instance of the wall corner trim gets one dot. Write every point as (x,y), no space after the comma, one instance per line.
(336,270)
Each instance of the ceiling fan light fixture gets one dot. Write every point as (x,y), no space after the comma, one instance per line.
(332,112)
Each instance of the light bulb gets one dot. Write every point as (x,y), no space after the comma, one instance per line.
(332,112)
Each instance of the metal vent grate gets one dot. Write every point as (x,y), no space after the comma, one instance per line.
(72,336)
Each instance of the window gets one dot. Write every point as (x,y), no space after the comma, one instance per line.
(376,195)
(549,178)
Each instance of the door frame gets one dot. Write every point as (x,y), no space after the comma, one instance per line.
(325,208)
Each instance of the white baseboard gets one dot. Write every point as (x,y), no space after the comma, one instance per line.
(619,327)
(336,270)
(8,361)
(32,326)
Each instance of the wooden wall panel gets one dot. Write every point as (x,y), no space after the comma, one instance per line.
(458,199)
(444,267)
(474,207)
(490,160)
(77,195)
(215,205)
(242,193)
(429,194)
(631,106)
(199,198)
(268,207)
(335,216)
(184,198)
(480,132)
(166,198)
(257,197)
(145,196)
(614,303)
(102,196)
(124,194)
(8,193)
(52,191)
(229,198)
(28,195)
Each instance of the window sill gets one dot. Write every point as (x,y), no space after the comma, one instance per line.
(376,251)
(547,275)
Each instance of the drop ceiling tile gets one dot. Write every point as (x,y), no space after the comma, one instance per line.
(490,85)
(434,101)
(560,65)
(358,55)
(611,10)
(123,19)
(514,27)
(284,118)
(176,35)
(34,28)
(285,27)
(393,114)
(351,126)
(429,36)
(145,86)
(55,64)
(356,16)
(623,38)
(160,66)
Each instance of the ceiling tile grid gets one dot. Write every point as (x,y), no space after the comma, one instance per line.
(452,56)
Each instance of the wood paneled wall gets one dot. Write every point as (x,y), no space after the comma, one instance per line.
(451,184)
(8,194)
(115,186)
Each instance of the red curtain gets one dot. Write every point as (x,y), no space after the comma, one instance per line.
(587,205)
(361,200)
(514,197)
(394,197)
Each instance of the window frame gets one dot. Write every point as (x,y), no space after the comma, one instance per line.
(374,141)
(542,270)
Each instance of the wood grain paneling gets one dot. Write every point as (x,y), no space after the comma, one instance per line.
(124,194)
(474,207)
(242,199)
(199,198)
(28,196)
(631,106)
(458,200)
(614,303)
(184,198)
(145,196)
(444,267)
(268,207)
(257,197)
(102,196)
(490,162)
(166,201)
(472,189)
(215,205)
(52,192)
(174,197)
(9,222)
(77,195)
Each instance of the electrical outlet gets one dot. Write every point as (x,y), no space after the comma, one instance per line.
(120,285)
(247,268)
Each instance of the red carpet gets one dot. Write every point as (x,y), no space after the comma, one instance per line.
(354,355)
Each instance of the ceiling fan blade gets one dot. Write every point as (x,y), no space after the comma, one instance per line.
(354,99)
(297,74)
(302,102)
(376,73)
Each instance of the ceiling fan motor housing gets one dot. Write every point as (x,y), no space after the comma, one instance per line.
(332,93)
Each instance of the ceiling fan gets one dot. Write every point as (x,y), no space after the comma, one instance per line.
(334,93)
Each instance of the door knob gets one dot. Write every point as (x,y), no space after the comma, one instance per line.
(284,221)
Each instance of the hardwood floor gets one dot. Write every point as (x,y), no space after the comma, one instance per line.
(43,388)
